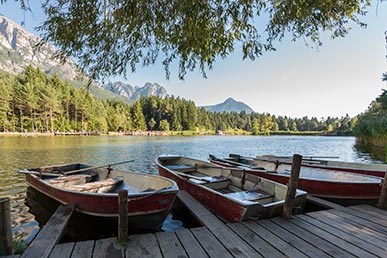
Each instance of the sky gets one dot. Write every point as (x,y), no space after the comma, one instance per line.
(341,77)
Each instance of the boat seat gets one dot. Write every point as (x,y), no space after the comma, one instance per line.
(249,195)
(103,186)
(66,181)
(182,168)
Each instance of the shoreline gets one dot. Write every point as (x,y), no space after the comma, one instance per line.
(163,133)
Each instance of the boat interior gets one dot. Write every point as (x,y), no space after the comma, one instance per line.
(83,178)
(305,172)
(232,183)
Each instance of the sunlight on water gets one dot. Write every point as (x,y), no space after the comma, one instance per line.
(26,152)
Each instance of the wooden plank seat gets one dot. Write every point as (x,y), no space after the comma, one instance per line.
(249,195)
(103,186)
(66,181)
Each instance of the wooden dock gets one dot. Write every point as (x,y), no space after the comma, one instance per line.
(358,231)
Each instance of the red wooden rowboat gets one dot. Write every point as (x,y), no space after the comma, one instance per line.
(94,190)
(338,186)
(352,167)
(229,193)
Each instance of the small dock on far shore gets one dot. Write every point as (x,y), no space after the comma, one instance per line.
(357,231)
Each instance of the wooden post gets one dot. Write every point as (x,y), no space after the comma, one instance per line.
(123,216)
(383,195)
(292,186)
(6,241)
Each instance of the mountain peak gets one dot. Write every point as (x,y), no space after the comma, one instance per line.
(18,48)
(230,105)
(135,92)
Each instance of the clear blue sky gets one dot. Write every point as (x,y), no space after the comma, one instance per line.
(341,77)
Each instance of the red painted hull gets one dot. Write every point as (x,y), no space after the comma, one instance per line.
(218,204)
(148,209)
(334,190)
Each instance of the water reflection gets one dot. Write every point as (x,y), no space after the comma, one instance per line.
(24,152)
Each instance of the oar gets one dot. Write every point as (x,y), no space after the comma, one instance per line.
(191,176)
(290,157)
(102,166)
(26,171)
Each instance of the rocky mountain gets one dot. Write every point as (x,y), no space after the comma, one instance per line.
(18,48)
(135,92)
(230,105)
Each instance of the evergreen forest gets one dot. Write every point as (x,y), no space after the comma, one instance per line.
(35,102)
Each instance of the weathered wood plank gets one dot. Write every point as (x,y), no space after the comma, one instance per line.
(123,216)
(292,239)
(62,250)
(311,237)
(324,203)
(46,239)
(366,233)
(259,244)
(6,239)
(382,203)
(144,245)
(371,213)
(344,240)
(83,249)
(190,244)
(170,245)
(287,209)
(365,219)
(278,243)
(108,248)
(212,246)
(226,236)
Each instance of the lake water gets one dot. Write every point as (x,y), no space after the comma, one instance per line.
(26,152)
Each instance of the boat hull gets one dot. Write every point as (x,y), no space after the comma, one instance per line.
(340,192)
(226,208)
(145,210)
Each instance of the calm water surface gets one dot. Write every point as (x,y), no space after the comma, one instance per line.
(26,152)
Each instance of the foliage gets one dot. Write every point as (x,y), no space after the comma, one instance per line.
(34,102)
(110,36)
(19,246)
(372,124)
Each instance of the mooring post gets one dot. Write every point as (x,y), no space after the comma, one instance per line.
(6,241)
(292,186)
(382,204)
(122,216)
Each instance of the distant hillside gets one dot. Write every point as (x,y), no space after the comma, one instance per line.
(18,49)
(135,92)
(230,105)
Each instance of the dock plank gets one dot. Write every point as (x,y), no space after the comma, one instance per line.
(371,212)
(190,244)
(83,249)
(226,236)
(358,229)
(258,243)
(212,246)
(49,236)
(170,245)
(62,250)
(292,239)
(348,242)
(364,219)
(281,245)
(108,248)
(311,238)
(144,245)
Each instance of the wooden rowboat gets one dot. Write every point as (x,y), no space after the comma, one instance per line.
(94,190)
(231,194)
(352,167)
(338,186)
